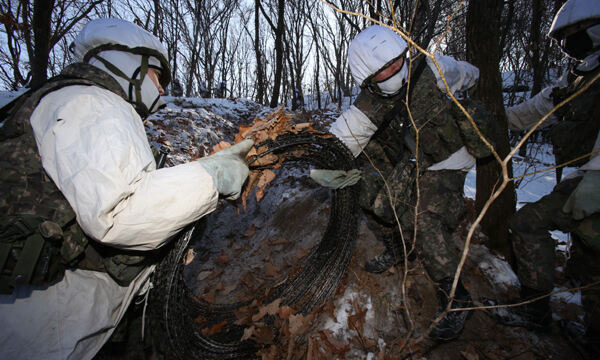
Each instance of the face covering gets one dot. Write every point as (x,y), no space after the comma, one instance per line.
(393,85)
(150,95)
(130,65)
(582,43)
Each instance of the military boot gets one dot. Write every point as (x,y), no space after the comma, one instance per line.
(393,255)
(453,323)
(533,316)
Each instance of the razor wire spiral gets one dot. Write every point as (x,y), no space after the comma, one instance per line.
(173,307)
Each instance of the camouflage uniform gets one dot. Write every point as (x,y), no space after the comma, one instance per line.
(443,130)
(572,137)
(38,232)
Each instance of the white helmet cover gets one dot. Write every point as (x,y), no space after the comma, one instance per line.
(372,49)
(573,12)
(125,50)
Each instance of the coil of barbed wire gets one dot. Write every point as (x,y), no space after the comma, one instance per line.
(173,307)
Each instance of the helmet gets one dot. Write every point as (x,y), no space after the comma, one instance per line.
(126,51)
(576,27)
(373,50)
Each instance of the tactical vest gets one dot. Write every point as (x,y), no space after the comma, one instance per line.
(39,236)
(579,120)
(444,129)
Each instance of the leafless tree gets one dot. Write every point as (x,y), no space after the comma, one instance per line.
(37,28)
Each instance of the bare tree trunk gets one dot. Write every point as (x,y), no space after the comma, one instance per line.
(260,76)
(157,13)
(483,51)
(42,18)
(375,10)
(535,43)
(279,32)
(317,87)
(536,63)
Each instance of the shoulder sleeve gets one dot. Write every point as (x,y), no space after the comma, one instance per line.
(594,162)
(524,115)
(94,147)
(354,129)
(460,75)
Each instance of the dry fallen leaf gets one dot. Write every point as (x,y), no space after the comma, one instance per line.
(357,320)
(301,253)
(188,257)
(265,178)
(203,275)
(209,298)
(222,259)
(220,146)
(285,312)
(335,347)
(215,329)
(270,309)
(228,289)
(271,270)
(470,353)
(264,335)
(273,125)
(250,231)
(248,332)
(299,324)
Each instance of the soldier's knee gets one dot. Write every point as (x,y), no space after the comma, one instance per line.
(528,218)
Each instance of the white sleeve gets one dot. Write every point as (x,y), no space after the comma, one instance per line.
(354,129)
(594,162)
(524,115)
(94,147)
(460,75)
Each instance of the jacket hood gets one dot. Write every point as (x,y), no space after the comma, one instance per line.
(129,64)
(573,12)
(372,49)
(125,50)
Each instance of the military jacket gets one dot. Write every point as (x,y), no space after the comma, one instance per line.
(443,128)
(579,119)
(39,235)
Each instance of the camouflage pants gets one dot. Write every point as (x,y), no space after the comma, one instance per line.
(534,247)
(441,205)
(583,268)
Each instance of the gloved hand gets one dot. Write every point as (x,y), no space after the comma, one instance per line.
(228,168)
(585,199)
(335,179)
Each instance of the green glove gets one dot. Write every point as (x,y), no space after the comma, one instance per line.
(228,168)
(585,199)
(335,179)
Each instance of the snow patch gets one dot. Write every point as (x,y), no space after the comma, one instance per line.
(496,270)
(343,306)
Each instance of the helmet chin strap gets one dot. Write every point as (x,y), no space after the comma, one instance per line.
(134,84)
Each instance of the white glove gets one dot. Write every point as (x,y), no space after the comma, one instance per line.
(335,179)
(228,168)
(585,199)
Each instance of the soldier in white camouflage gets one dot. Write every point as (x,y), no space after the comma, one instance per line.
(574,204)
(377,129)
(83,208)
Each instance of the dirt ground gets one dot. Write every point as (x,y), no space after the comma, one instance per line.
(244,254)
(366,318)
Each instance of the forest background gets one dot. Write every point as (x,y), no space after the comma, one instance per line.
(294,53)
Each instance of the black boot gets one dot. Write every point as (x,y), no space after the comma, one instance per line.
(453,323)
(392,255)
(534,316)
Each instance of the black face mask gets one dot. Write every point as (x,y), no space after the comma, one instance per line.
(577,45)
